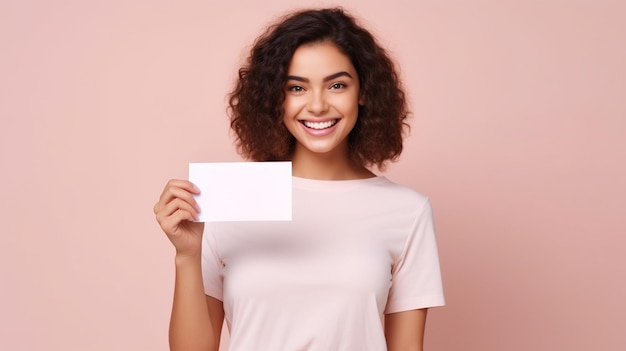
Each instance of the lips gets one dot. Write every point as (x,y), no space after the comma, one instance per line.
(319,125)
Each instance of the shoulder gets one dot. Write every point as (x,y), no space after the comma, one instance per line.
(377,195)
(389,190)
(390,200)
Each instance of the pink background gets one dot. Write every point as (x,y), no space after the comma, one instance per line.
(518,138)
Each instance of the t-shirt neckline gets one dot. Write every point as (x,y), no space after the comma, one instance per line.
(335,185)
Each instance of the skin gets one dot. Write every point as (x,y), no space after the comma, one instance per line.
(404,331)
(193,313)
(322,86)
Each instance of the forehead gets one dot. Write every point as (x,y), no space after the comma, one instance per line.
(319,59)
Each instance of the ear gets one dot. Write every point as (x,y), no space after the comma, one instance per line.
(362,99)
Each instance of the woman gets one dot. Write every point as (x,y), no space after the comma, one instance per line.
(357,267)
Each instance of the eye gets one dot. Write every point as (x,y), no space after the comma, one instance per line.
(337,86)
(295,89)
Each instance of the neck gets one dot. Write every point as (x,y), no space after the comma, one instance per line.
(326,166)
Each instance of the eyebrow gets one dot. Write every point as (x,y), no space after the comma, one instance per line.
(326,79)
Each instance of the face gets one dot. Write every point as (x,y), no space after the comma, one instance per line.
(321,99)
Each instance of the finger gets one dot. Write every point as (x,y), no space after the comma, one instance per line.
(172,223)
(175,205)
(175,194)
(187,196)
(182,215)
(182,184)
(172,193)
(165,212)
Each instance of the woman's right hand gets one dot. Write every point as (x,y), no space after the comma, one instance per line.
(176,211)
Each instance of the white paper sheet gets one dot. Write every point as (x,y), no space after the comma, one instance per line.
(243,191)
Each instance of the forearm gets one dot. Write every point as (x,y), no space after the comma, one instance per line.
(405,330)
(190,323)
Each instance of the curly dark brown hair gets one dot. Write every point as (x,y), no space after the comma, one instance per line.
(256,112)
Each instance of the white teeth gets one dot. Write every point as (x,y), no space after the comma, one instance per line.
(319,125)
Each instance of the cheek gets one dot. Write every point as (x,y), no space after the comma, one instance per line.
(350,106)
(289,108)
(289,115)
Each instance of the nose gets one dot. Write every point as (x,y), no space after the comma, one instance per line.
(317,103)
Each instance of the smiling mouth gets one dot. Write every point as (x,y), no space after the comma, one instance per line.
(320,125)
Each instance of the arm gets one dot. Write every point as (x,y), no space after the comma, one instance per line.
(196,320)
(404,331)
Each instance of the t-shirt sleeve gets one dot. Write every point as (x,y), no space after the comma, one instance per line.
(211,267)
(416,275)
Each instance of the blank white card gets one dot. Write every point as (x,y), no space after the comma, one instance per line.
(243,191)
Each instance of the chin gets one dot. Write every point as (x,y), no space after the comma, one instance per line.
(323,149)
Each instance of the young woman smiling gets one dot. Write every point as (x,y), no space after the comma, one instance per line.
(321,108)
(357,268)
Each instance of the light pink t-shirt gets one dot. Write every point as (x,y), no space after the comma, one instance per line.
(356,249)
